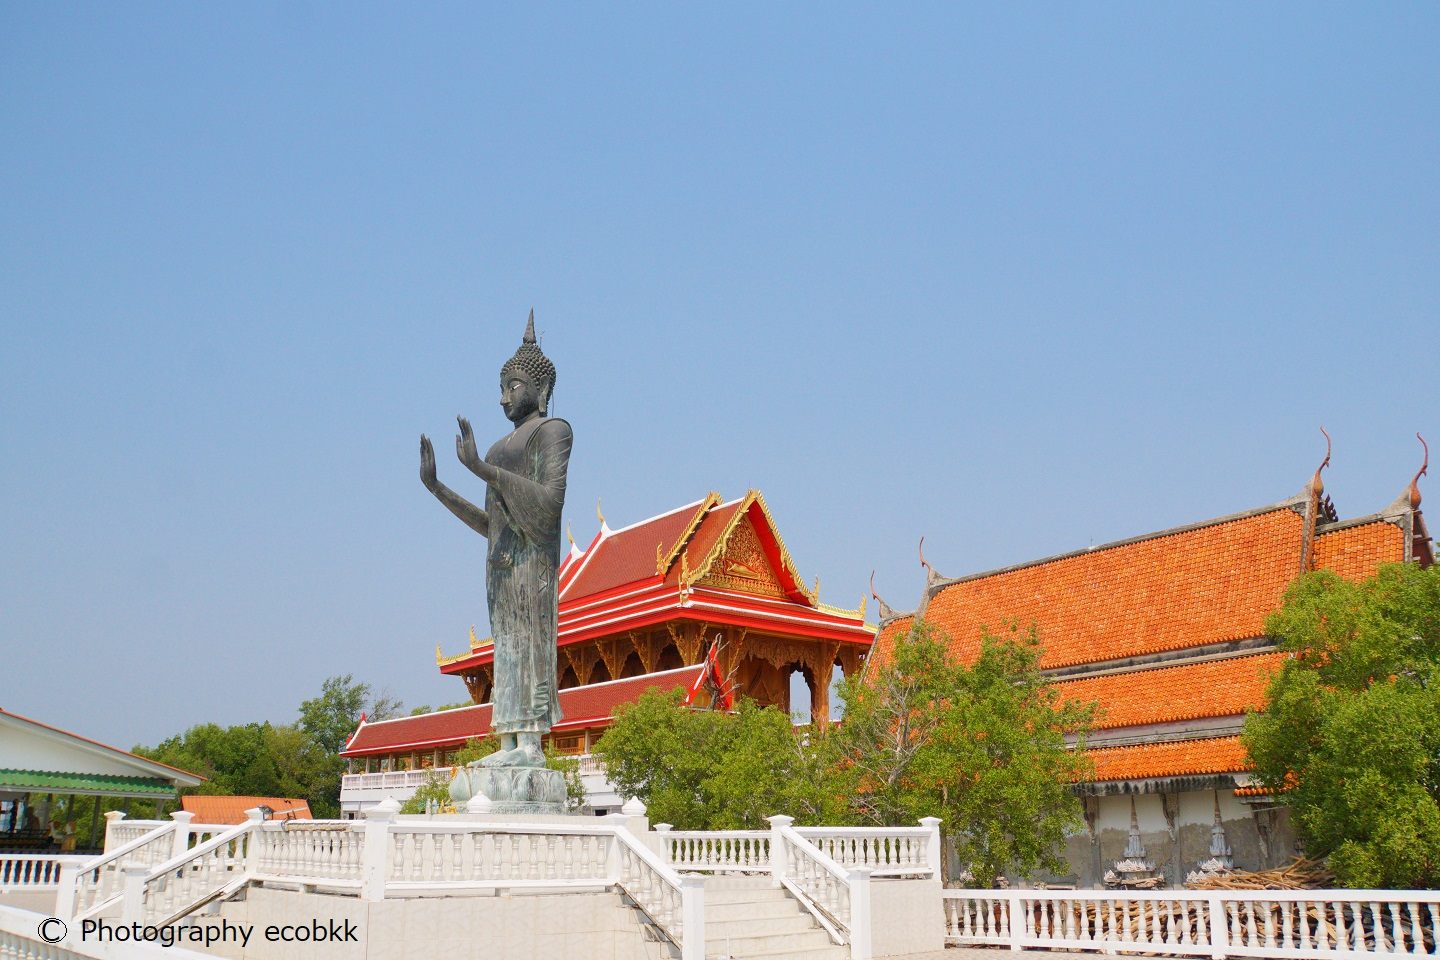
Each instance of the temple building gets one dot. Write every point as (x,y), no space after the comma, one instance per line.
(1166,632)
(705,598)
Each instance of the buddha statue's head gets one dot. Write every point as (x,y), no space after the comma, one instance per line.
(527,380)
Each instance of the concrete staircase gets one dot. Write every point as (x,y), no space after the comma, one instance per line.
(748,918)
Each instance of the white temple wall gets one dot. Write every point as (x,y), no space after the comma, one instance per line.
(1174,857)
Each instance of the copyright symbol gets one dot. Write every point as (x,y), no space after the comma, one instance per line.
(47,930)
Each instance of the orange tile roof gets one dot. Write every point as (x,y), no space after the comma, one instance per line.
(1195,586)
(232,809)
(1214,688)
(1355,552)
(1174,759)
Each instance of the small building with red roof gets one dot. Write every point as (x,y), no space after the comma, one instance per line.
(1166,633)
(705,597)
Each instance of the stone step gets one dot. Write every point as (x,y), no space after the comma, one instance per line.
(765,894)
(730,881)
(762,909)
(791,944)
(831,952)
(716,931)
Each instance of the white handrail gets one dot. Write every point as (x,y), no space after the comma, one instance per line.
(820,884)
(674,903)
(176,886)
(1341,924)
(95,885)
(717,851)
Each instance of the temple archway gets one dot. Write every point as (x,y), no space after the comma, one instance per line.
(632,667)
(669,659)
(599,673)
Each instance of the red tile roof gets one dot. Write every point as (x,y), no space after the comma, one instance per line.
(628,554)
(1355,552)
(711,529)
(589,706)
(1214,688)
(1173,759)
(232,809)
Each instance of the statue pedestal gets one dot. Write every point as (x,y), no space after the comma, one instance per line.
(512,789)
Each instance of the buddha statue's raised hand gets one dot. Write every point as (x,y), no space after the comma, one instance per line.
(427,465)
(468,453)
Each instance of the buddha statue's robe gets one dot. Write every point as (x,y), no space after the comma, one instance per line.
(524,503)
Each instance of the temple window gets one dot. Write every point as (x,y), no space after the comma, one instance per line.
(632,667)
(568,678)
(599,673)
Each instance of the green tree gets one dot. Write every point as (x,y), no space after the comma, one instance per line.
(327,721)
(436,787)
(662,753)
(1350,741)
(709,769)
(330,718)
(574,784)
(983,746)
(234,760)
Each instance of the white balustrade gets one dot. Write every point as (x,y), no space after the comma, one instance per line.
(674,903)
(887,851)
(718,851)
(34,871)
(392,779)
(439,854)
(307,850)
(830,892)
(119,832)
(97,881)
(20,940)
(1218,923)
(173,888)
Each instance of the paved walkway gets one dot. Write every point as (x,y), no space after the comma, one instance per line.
(1002,953)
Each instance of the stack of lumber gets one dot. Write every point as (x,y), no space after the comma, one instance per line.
(1300,874)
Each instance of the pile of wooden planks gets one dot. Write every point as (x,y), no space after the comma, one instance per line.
(1300,874)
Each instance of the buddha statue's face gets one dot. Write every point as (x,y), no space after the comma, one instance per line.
(520,396)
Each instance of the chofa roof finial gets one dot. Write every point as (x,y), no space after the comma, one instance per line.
(931,574)
(1414,490)
(1317,486)
(885,610)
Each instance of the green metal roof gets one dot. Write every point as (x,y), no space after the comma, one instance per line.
(51,781)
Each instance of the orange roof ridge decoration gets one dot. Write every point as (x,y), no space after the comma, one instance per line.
(1316,503)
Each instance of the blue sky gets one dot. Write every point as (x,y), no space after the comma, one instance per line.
(1017,278)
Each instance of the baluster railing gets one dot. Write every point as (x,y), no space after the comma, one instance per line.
(838,898)
(172,889)
(96,882)
(1299,924)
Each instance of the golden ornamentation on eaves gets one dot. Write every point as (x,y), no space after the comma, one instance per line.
(663,560)
(786,561)
(742,565)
